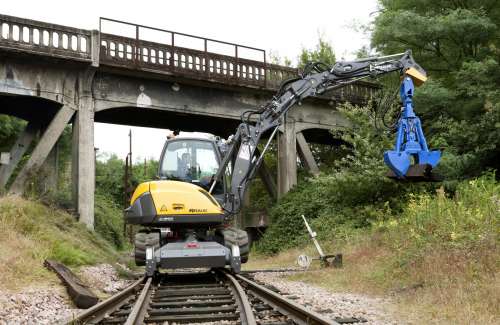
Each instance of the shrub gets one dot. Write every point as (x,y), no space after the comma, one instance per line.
(109,220)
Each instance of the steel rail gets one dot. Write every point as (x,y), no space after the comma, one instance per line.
(290,309)
(99,311)
(138,312)
(246,314)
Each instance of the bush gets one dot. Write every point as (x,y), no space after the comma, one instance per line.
(463,220)
(109,220)
(354,192)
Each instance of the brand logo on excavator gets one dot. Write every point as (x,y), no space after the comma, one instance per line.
(198,210)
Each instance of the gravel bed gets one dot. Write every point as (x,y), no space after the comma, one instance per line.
(343,305)
(103,277)
(52,305)
(35,306)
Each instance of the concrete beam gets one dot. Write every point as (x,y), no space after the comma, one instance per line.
(42,149)
(18,150)
(50,171)
(287,158)
(268,180)
(306,155)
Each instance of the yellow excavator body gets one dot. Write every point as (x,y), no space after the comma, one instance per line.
(178,198)
(174,204)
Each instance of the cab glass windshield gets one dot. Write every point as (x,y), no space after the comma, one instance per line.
(191,161)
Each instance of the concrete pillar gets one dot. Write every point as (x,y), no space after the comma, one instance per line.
(287,158)
(42,149)
(84,162)
(18,150)
(306,155)
(74,162)
(50,171)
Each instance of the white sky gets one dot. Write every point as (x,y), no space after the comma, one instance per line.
(283,27)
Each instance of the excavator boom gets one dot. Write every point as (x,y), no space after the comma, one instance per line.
(411,145)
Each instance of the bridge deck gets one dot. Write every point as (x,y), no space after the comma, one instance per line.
(135,53)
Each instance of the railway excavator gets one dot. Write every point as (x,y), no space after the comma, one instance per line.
(186,215)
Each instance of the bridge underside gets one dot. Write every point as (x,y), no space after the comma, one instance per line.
(86,77)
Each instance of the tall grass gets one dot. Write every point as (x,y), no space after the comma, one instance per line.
(31,232)
(439,257)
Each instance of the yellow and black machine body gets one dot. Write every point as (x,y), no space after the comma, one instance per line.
(187,212)
(182,222)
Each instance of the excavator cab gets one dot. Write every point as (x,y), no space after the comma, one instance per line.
(183,225)
(191,160)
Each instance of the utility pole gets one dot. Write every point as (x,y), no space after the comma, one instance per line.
(127,176)
(130,147)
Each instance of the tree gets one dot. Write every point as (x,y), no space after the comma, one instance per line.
(10,127)
(323,53)
(457,42)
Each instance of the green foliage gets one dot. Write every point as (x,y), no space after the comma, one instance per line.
(45,232)
(464,219)
(353,195)
(109,220)
(457,43)
(67,254)
(322,53)
(10,127)
(110,177)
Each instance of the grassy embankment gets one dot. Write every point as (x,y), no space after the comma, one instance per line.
(439,259)
(30,232)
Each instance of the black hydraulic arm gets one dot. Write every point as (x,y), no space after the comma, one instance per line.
(315,80)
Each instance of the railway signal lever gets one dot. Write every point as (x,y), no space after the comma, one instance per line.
(325,260)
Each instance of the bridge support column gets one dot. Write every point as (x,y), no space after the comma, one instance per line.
(268,180)
(287,158)
(83,162)
(50,171)
(42,149)
(18,150)
(306,155)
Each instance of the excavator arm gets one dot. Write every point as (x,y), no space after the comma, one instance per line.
(317,79)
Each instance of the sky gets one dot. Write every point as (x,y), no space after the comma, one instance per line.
(280,27)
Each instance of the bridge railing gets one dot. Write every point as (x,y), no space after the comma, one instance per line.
(48,39)
(132,53)
(30,36)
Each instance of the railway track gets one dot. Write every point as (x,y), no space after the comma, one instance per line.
(215,297)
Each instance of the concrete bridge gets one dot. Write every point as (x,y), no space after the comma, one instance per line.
(52,76)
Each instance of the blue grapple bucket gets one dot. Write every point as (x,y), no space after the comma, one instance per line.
(411,159)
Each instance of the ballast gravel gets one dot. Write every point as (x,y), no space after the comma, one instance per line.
(35,306)
(369,310)
(103,277)
(51,304)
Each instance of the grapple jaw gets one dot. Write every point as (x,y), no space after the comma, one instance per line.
(402,169)
(417,173)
